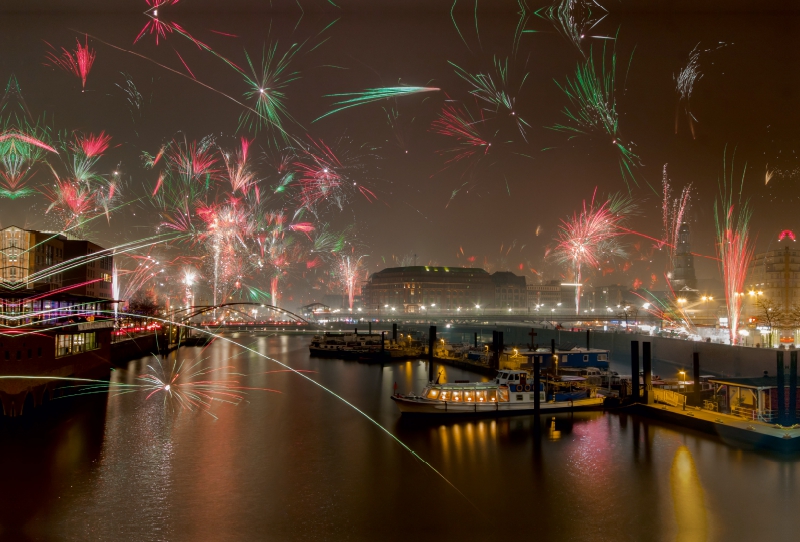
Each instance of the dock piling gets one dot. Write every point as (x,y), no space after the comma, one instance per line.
(698,393)
(431,343)
(537,407)
(383,345)
(647,369)
(394,332)
(792,387)
(781,390)
(476,339)
(588,340)
(370,328)
(635,371)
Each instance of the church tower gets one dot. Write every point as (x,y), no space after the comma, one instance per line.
(683,277)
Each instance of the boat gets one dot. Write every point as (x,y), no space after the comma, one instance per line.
(511,392)
(556,358)
(362,347)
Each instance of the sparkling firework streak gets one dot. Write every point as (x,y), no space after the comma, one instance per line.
(495,94)
(594,108)
(349,268)
(673,212)
(326,177)
(457,122)
(370,95)
(591,236)
(267,87)
(239,173)
(684,86)
(573,18)
(78,63)
(734,246)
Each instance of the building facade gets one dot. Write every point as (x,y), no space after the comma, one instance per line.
(409,289)
(775,275)
(510,290)
(547,294)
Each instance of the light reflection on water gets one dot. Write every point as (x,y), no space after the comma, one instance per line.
(301,465)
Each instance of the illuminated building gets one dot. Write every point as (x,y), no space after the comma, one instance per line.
(547,294)
(55,316)
(409,289)
(510,290)
(775,274)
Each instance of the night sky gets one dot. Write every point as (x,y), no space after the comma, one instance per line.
(745,102)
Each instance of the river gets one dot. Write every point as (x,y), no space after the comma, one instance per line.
(308,463)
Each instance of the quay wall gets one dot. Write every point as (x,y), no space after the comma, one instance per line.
(669,355)
(128,349)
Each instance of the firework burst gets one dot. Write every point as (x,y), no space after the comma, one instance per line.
(78,63)
(267,84)
(467,130)
(593,110)
(684,87)
(591,236)
(495,93)
(734,247)
(574,18)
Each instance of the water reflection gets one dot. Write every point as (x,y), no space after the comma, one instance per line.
(303,465)
(41,456)
(687,498)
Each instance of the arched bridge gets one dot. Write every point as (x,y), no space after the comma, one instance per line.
(184,315)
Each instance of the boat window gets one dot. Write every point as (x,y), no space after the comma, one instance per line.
(480,396)
(533,397)
(502,395)
(456,395)
(492,395)
(469,396)
(514,377)
(586,357)
(519,397)
(445,396)
(601,357)
(503,375)
(433,393)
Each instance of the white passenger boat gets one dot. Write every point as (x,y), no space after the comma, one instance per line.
(510,393)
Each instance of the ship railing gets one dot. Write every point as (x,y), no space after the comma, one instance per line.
(753,414)
(668,397)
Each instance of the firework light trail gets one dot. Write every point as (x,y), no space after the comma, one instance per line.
(78,63)
(574,18)
(673,213)
(354,99)
(593,110)
(734,246)
(684,86)
(497,94)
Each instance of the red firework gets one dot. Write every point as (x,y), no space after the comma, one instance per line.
(457,122)
(323,177)
(93,145)
(78,63)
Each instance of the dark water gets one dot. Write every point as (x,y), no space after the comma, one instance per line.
(303,465)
